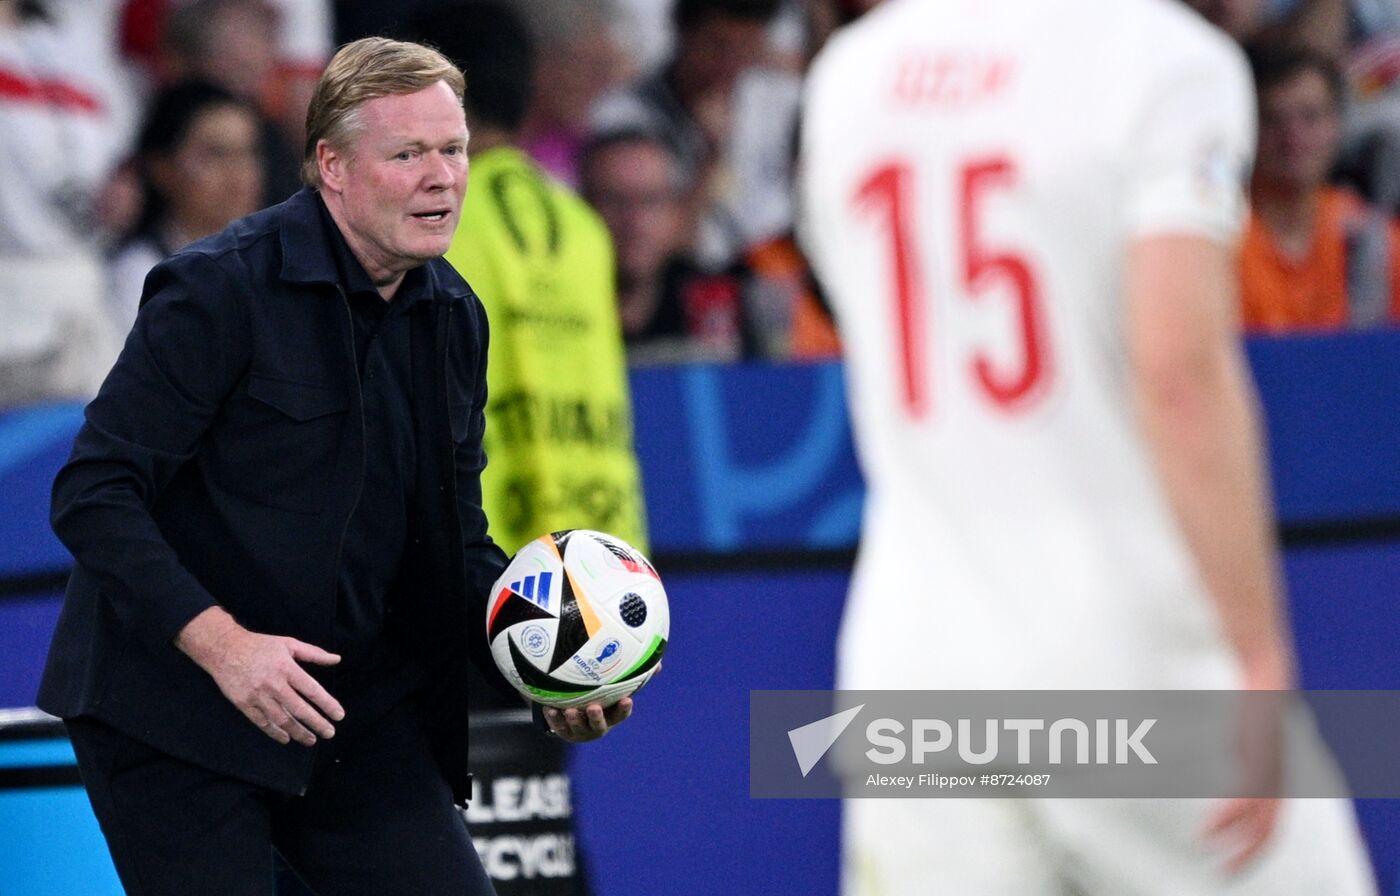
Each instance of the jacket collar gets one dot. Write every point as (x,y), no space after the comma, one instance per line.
(306,252)
(307,255)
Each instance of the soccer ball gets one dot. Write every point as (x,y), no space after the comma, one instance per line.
(577,617)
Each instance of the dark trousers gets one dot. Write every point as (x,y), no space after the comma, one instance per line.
(377,819)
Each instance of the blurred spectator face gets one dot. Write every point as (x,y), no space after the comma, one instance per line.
(632,185)
(1239,18)
(1299,131)
(215,174)
(239,47)
(716,50)
(572,75)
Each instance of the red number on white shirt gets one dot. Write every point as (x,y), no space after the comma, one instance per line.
(1006,389)
(888,191)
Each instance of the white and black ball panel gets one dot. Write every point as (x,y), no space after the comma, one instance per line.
(557,625)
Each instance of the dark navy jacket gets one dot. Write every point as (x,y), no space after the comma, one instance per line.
(220,463)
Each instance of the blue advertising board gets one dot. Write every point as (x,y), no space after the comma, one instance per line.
(746,457)
(760,457)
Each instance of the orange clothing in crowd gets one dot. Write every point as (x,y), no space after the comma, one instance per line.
(813,335)
(1350,276)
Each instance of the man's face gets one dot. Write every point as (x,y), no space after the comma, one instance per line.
(632,187)
(401,181)
(1299,128)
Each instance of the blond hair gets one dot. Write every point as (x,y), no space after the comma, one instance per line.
(364,70)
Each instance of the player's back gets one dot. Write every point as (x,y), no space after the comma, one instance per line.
(975,170)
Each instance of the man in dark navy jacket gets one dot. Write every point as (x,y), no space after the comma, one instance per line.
(275,509)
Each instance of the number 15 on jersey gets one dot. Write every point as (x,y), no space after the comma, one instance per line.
(887,197)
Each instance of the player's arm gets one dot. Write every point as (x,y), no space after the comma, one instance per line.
(1187,156)
(1198,414)
(1191,144)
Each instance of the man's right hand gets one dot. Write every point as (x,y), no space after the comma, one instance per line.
(261,675)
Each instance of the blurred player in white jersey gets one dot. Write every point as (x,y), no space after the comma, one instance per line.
(1026,215)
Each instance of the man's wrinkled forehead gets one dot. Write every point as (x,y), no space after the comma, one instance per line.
(432,114)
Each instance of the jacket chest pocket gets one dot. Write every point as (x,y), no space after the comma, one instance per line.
(281,443)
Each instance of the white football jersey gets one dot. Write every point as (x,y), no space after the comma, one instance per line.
(973,173)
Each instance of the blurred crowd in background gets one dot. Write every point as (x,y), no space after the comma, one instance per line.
(130,128)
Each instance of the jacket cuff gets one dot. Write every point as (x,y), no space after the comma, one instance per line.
(537,713)
(173,614)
